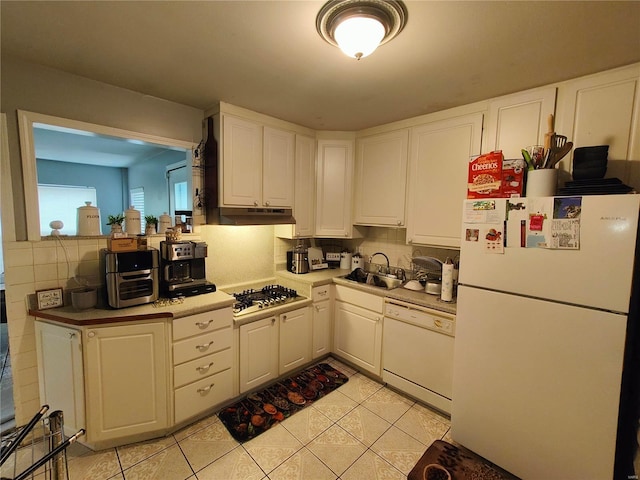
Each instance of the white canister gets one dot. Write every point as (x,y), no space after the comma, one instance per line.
(356,261)
(542,182)
(88,221)
(345,260)
(132,221)
(164,222)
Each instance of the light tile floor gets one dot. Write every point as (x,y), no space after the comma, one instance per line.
(361,430)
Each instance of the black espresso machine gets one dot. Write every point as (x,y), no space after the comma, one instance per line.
(182,269)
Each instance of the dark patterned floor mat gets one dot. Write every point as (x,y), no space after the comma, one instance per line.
(259,411)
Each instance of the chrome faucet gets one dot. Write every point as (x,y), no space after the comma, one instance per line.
(387,258)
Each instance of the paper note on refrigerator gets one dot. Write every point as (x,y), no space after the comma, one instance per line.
(565,226)
(484,211)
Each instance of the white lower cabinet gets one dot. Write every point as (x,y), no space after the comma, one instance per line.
(61,372)
(295,339)
(358,328)
(321,335)
(258,353)
(273,346)
(202,362)
(126,381)
(114,380)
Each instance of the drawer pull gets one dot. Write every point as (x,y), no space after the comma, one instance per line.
(203,324)
(204,368)
(204,346)
(205,389)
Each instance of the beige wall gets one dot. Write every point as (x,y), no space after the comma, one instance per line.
(25,86)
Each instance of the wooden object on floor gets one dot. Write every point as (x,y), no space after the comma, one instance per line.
(460,462)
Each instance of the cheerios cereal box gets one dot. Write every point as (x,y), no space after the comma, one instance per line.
(485,175)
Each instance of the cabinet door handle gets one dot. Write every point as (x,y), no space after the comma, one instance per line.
(378,319)
(255,203)
(203,324)
(205,389)
(91,334)
(72,335)
(204,368)
(267,203)
(204,346)
(317,308)
(284,318)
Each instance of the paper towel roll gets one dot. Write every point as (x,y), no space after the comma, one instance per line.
(446,295)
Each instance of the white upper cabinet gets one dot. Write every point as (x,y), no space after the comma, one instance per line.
(304,191)
(517,121)
(604,109)
(278,168)
(241,162)
(334,183)
(305,175)
(438,158)
(257,164)
(381,179)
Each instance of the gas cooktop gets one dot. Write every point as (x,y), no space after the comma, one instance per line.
(251,301)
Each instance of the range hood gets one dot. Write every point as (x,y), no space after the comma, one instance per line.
(250,216)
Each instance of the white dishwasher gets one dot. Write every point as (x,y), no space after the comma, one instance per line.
(417,353)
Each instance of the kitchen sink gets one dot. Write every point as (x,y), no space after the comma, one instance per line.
(375,280)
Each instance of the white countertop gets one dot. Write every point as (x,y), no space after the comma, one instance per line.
(96,316)
(303,283)
(323,277)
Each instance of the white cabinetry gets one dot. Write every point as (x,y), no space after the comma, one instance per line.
(358,328)
(257,164)
(127,384)
(438,159)
(304,191)
(516,121)
(381,178)
(604,109)
(278,168)
(241,162)
(258,353)
(61,372)
(334,185)
(295,339)
(203,362)
(321,320)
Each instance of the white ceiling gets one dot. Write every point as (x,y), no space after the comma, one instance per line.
(267,56)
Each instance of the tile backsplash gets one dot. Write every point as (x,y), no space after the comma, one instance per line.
(390,241)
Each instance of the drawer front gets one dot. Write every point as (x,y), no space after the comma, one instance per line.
(202,323)
(201,367)
(321,293)
(203,395)
(359,298)
(202,345)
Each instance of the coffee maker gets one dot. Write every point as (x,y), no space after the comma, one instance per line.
(183,272)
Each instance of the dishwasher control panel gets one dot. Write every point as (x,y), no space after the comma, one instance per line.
(420,316)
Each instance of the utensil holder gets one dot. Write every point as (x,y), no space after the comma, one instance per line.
(541,182)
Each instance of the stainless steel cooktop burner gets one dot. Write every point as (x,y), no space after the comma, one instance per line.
(251,301)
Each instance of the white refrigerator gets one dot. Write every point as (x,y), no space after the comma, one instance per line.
(546,365)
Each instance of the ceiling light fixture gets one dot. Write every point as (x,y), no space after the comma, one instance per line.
(358,27)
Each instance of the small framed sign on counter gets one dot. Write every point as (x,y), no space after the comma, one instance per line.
(50,298)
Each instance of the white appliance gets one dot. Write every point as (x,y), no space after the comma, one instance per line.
(544,339)
(418,348)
